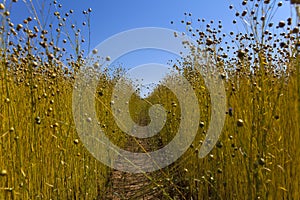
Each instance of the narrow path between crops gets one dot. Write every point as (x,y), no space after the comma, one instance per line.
(134,186)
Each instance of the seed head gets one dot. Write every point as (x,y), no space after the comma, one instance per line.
(219,144)
(89,119)
(209,41)
(201,124)
(95,51)
(240,54)
(295,30)
(12,129)
(2,6)
(96,65)
(3,172)
(6,13)
(240,123)
(281,24)
(223,76)
(261,161)
(220,170)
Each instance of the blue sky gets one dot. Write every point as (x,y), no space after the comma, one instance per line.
(115,16)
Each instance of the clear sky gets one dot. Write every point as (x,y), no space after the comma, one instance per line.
(114,16)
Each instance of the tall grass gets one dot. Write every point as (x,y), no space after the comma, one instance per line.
(256,157)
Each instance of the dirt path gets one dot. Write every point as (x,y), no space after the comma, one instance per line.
(134,186)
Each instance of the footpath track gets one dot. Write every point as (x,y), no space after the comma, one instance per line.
(142,186)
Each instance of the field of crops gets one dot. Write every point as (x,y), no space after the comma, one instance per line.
(256,157)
